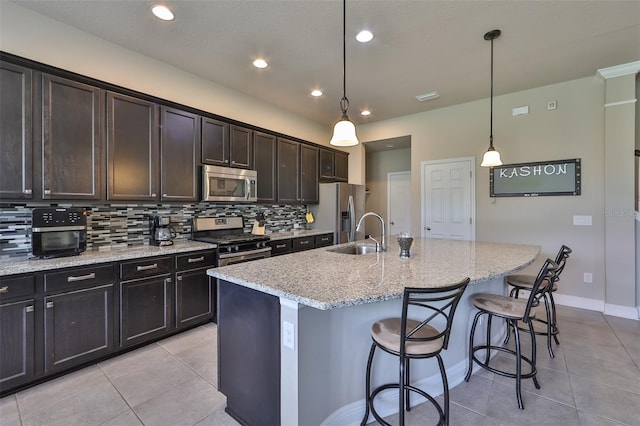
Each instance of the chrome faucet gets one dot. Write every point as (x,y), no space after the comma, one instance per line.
(383,242)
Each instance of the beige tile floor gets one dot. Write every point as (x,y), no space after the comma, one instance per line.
(593,380)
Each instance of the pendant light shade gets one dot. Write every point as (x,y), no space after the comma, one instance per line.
(344,132)
(491,158)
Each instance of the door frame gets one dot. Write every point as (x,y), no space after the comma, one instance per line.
(423,189)
(389,174)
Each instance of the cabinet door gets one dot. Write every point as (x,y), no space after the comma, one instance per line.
(178,149)
(71,139)
(144,310)
(240,147)
(288,171)
(215,142)
(309,174)
(16,343)
(78,327)
(194,298)
(15,132)
(326,166)
(132,148)
(341,165)
(264,148)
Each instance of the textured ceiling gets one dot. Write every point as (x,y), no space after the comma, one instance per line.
(419,46)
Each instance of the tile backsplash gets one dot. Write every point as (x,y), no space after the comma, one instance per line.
(124,225)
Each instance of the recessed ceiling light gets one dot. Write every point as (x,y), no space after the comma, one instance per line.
(428,96)
(364,36)
(316,93)
(162,12)
(365,113)
(260,63)
(389,145)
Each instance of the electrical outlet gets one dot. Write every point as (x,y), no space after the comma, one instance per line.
(288,335)
(588,277)
(551,105)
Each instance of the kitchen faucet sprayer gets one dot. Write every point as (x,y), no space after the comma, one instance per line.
(383,242)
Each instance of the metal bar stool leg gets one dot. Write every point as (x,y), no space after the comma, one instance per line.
(445,386)
(554,327)
(367,400)
(471,334)
(549,327)
(516,336)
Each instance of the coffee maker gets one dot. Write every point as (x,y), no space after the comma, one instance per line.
(162,233)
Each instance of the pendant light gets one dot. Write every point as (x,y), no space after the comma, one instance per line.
(344,132)
(491,158)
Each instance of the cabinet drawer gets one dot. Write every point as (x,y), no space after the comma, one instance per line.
(145,268)
(78,278)
(324,240)
(16,287)
(280,247)
(201,259)
(303,243)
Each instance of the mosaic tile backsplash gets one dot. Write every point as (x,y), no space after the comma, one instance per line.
(124,225)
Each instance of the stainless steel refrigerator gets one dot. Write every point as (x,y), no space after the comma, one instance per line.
(340,207)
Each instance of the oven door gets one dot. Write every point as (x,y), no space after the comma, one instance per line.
(225,259)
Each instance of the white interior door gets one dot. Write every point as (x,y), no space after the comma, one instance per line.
(448,199)
(398,202)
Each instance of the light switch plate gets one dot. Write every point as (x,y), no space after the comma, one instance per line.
(582,220)
(523,110)
(288,335)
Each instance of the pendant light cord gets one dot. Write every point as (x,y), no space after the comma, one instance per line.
(491,112)
(344,102)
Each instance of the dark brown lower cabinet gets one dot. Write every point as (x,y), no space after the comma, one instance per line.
(194,297)
(16,343)
(144,309)
(78,327)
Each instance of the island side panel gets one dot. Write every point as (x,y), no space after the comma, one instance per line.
(249,354)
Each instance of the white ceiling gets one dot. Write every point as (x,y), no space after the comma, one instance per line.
(419,46)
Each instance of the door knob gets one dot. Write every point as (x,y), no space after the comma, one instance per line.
(428,228)
(392,223)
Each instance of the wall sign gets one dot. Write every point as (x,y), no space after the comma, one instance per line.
(559,177)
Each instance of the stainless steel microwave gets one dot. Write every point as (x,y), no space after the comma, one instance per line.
(229,184)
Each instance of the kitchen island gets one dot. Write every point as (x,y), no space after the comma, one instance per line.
(293,331)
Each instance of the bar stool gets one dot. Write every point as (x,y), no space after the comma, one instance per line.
(525,282)
(419,340)
(511,310)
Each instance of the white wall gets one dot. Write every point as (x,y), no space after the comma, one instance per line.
(574,130)
(378,165)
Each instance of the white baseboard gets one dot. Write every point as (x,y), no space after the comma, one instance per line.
(629,312)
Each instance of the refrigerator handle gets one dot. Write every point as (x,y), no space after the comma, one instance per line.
(352,219)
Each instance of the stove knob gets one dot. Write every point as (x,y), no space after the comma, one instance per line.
(229,249)
(236,248)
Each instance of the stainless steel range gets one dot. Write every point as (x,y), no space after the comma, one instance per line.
(234,244)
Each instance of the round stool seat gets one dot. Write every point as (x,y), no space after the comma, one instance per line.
(503,306)
(387,334)
(525,282)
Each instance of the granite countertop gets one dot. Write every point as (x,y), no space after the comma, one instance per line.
(297,233)
(26,265)
(325,280)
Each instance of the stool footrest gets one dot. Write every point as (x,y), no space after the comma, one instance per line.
(503,373)
(411,388)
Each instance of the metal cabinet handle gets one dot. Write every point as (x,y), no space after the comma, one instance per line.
(281,245)
(29,308)
(49,305)
(147,267)
(233,162)
(164,195)
(226,161)
(153,195)
(27,191)
(304,242)
(4,289)
(180,278)
(47,192)
(195,259)
(81,277)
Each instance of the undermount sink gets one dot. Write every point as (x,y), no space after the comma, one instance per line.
(359,248)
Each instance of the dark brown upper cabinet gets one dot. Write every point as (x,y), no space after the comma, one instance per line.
(180,134)
(16,166)
(333,166)
(264,153)
(341,166)
(240,147)
(226,145)
(71,139)
(215,142)
(132,148)
(297,172)
(309,189)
